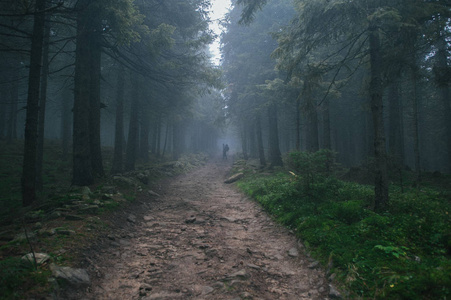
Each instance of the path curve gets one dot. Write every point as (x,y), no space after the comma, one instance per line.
(200,239)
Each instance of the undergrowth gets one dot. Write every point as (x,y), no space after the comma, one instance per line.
(402,253)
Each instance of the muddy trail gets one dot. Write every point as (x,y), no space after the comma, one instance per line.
(199,238)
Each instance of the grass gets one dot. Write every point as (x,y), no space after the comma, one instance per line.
(402,253)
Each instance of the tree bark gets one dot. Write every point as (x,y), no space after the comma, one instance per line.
(376,91)
(395,139)
(275,157)
(133,129)
(119,126)
(42,109)
(261,151)
(416,133)
(326,125)
(144,136)
(66,119)
(11,131)
(82,166)
(95,37)
(31,122)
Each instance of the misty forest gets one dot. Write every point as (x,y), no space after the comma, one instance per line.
(300,149)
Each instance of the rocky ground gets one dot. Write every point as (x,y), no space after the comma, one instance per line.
(196,237)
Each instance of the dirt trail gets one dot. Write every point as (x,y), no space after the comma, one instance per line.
(201,239)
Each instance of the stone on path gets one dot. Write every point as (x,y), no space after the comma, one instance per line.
(293,252)
(234,178)
(77,277)
(40,258)
(334,293)
(152,193)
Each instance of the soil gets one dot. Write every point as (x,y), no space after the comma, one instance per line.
(199,238)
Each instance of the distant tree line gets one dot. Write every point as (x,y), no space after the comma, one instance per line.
(367,79)
(139,70)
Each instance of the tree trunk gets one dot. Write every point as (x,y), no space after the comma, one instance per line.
(119,127)
(376,91)
(244,140)
(42,109)
(443,81)
(158,144)
(298,123)
(395,119)
(261,151)
(416,134)
(31,123)
(11,133)
(82,166)
(133,129)
(66,119)
(326,125)
(275,157)
(144,136)
(94,113)
(312,119)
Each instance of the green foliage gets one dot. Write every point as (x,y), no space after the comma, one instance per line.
(403,253)
(16,275)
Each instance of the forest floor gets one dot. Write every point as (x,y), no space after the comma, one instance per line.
(199,238)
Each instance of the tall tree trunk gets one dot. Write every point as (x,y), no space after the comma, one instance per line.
(244,139)
(261,151)
(66,120)
(443,85)
(275,157)
(31,122)
(119,126)
(166,138)
(395,138)
(416,134)
(82,166)
(42,108)
(252,143)
(95,105)
(158,144)
(312,118)
(144,136)
(11,133)
(326,125)
(298,123)
(376,91)
(133,128)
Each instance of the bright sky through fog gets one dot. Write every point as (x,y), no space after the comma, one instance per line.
(218,9)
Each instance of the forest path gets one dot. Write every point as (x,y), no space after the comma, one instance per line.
(201,239)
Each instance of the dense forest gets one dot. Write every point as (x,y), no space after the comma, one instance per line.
(355,90)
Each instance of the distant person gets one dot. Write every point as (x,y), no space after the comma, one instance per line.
(225,148)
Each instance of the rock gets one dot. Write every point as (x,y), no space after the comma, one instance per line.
(240,275)
(190,220)
(90,209)
(207,290)
(40,258)
(152,193)
(293,252)
(253,266)
(45,232)
(303,287)
(54,215)
(246,296)
(65,232)
(74,218)
(131,218)
(313,265)
(37,226)
(146,287)
(334,293)
(234,178)
(76,277)
(332,277)
(22,237)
